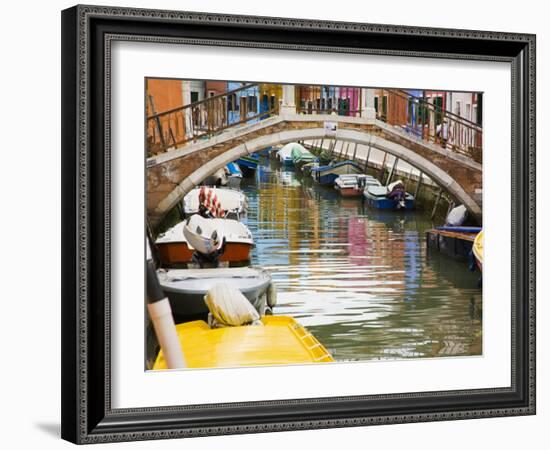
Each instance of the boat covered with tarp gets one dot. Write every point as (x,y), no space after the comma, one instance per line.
(284,155)
(301,156)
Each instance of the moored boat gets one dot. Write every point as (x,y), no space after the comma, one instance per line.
(382,197)
(307,168)
(233,202)
(351,185)
(234,175)
(278,340)
(284,155)
(186,288)
(301,156)
(327,175)
(174,249)
(477,250)
(249,164)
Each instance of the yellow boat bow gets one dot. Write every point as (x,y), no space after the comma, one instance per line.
(281,340)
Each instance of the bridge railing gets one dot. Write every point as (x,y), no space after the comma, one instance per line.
(203,119)
(429,122)
(343,101)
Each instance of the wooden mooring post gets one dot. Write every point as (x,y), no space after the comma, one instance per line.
(436,203)
(408,179)
(418,183)
(367,159)
(382,168)
(390,176)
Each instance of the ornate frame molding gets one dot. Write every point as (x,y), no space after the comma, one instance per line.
(87,423)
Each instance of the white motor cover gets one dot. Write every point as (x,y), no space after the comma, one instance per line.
(457,216)
(229,307)
(391,186)
(202,234)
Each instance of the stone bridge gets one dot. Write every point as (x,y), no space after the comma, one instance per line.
(172,174)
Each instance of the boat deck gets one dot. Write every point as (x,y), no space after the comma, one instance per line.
(281,340)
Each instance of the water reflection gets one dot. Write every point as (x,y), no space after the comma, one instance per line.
(360,279)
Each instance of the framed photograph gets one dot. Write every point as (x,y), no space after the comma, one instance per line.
(281,224)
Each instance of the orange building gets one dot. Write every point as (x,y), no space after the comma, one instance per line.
(163,95)
(391,107)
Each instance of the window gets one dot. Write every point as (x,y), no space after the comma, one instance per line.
(252,104)
(438,107)
(194,96)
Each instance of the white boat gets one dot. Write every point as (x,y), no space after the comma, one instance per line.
(186,288)
(174,249)
(233,202)
(352,185)
(284,155)
(234,175)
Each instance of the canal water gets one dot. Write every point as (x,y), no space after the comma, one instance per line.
(360,280)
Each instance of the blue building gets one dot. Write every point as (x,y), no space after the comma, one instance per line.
(243,104)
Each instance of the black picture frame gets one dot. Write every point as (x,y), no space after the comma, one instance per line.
(87,33)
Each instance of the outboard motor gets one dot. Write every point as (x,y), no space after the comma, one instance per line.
(396,192)
(457,216)
(206,240)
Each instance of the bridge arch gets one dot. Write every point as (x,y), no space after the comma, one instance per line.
(438,175)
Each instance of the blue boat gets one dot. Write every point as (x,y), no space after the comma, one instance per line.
(249,164)
(234,175)
(326,175)
(379,197)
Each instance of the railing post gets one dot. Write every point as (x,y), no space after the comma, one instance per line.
(288,105)
(157,121)
(367,103)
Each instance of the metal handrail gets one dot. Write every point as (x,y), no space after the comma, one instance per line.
(199,102)
(446,112)
(212,115)
(204,118)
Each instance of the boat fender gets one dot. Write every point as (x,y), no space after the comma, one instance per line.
(229,307)
(271,295)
